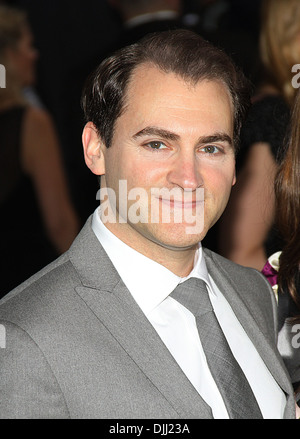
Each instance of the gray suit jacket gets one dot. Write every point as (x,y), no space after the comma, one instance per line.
(78,345)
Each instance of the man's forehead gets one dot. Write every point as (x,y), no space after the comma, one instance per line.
(148,83)
(147,74)
(144,71)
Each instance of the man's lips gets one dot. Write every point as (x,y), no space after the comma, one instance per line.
(181,204)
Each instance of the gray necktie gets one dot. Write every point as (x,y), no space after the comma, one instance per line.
(229,377)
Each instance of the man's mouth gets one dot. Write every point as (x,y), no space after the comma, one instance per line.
(181,204)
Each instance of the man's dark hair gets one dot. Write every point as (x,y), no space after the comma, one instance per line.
(181,52)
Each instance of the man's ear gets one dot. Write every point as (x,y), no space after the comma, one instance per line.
(92,147)
(234,179)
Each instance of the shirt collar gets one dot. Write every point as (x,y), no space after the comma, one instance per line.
(148,281)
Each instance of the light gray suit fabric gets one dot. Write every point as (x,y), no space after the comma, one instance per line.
(78,345)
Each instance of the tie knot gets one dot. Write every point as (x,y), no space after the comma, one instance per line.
(193,295)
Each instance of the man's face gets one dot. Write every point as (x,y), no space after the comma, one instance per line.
(175,137)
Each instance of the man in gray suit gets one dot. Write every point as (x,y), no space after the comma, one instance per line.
(105,331)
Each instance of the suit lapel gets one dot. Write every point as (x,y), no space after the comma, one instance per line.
(109,299)
(247,319)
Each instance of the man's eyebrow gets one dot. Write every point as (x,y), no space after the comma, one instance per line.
(156,131)
(169,135)
(216,137)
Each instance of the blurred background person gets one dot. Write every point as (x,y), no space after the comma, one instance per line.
(287,190)
(247,234)
(67,34)
(37,220)
(283,268)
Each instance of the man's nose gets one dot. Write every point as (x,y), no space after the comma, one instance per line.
(185,172)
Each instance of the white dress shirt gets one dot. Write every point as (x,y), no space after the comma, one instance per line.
(150,285)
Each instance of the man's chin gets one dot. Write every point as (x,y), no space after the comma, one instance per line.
(176,238)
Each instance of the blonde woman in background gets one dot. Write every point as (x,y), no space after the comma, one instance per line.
(37,220)
(247,234)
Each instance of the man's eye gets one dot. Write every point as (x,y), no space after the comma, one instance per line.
(156,144)
(211,149)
